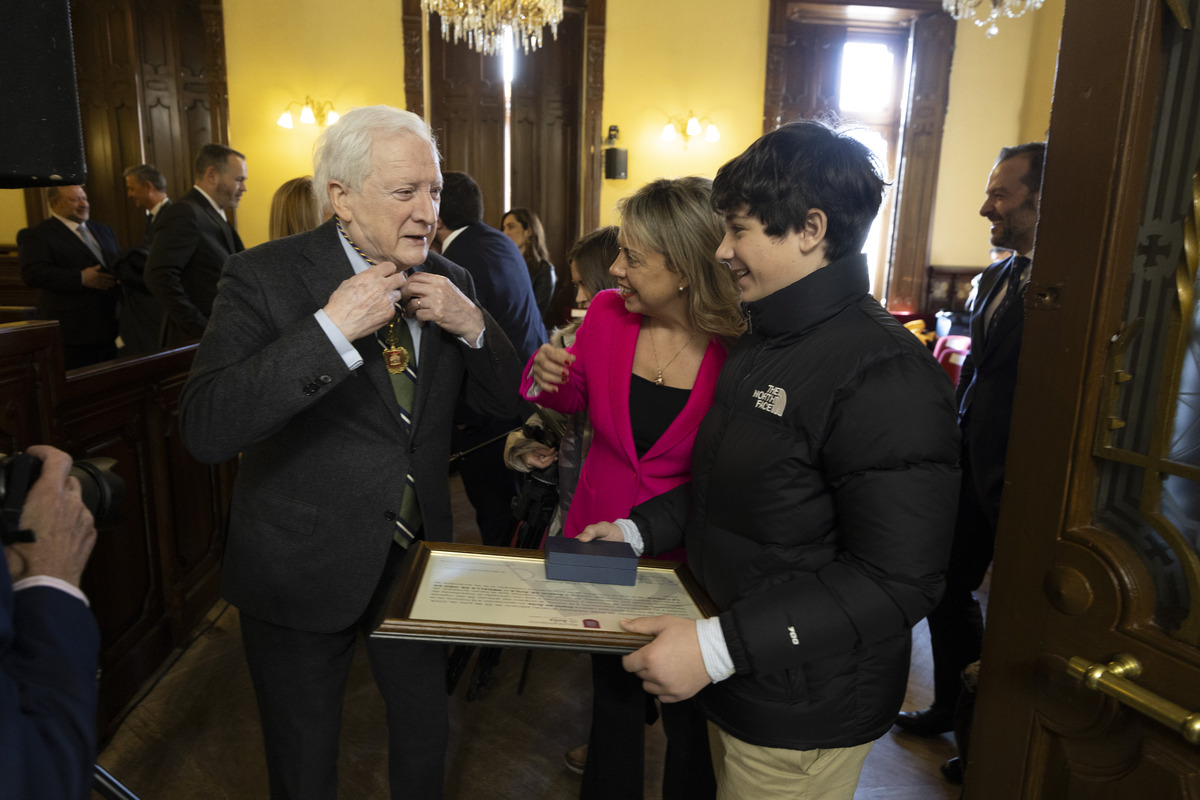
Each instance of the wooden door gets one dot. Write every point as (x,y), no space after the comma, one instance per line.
(1096,559)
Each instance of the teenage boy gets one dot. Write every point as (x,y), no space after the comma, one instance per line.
(823,486)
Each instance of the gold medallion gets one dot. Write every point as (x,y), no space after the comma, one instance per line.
(396,359)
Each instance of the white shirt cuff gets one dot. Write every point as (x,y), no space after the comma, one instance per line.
(478,342)
(633,537)
(53,583)
(713,648)
(338,339)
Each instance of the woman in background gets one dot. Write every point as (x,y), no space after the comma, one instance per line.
(644,365)
(294,208)
(525,229)
(563,439)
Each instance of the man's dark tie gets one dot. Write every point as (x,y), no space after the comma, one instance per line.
(1012,288)
(404,384)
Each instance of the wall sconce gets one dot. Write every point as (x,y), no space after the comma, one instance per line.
(686,129)
(311,113)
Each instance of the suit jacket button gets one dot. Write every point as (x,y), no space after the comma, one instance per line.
(326,379)
(390,516)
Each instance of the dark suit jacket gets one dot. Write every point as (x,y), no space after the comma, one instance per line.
(140,315)
(52,260)
(502,284)
(191,243)
(324,453)
(985,389)
(48,649)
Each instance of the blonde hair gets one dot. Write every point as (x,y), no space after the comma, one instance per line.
(674,217)
(294,208)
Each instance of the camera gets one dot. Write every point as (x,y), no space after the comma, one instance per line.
(102,489)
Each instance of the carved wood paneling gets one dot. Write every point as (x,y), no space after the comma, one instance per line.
(921,143)
(152,576)
(594,130)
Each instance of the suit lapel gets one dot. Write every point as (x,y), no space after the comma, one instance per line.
(620,376)
(71,240)
(329,267)
(698,403)
(225,230)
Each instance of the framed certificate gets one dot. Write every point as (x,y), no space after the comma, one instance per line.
(500,597)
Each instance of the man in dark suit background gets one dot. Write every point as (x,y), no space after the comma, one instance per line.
(503,288)
(140,317)
(192,239)
(293,373)
(49,643)
(985,399)
(65,258)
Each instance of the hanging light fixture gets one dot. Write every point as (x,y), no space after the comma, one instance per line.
(482,22)
(970,9)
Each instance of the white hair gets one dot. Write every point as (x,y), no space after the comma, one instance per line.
(343,151)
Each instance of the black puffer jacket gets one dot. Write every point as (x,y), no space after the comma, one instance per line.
(824,483)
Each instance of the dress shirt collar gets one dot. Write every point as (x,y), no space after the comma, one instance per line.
(452,237)
(154,211)
(212,202)
(70,223)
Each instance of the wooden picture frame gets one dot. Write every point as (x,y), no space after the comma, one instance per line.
(500,597)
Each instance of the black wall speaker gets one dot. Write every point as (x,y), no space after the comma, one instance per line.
(616,163)
(41,140)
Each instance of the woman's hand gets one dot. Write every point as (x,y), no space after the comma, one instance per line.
(540,457)
(551,367)
(601,532)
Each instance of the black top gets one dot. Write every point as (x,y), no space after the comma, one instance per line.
(652,409)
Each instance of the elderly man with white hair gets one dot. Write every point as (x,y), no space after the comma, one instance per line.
(332,363)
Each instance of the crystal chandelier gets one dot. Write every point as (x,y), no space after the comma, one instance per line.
(969,9)
(482,22)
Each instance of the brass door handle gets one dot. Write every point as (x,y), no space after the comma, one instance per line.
(1115,680)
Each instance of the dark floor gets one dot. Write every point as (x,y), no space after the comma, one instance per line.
(195,733)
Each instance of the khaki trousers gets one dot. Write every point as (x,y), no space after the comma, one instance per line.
(748,772)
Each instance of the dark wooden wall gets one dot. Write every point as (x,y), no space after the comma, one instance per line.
(152,577)
(152,89)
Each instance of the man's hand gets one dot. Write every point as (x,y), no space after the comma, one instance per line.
(96,278)
(365,303)
(55,512)
(601,532)
(435,298)
(671,666)
(551,367)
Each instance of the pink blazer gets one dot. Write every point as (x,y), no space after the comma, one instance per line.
(613,479)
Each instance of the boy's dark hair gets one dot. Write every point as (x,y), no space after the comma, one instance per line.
(801,166)
(462,201)
(1037,157)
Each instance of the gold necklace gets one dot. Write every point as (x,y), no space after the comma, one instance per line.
(658,380)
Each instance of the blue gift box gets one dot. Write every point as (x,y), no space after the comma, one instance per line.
(568,559)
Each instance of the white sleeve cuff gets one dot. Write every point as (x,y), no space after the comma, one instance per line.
(53,583)
(478,342)
(338,339)
(713,648)
(633,537)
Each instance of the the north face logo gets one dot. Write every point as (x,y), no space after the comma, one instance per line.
(773,399)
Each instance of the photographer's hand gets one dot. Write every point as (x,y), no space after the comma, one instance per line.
(55,512)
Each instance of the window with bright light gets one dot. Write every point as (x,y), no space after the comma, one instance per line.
(870,92)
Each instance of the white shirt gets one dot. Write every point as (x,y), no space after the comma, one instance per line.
(212,202)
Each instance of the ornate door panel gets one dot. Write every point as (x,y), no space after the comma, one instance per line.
(1091,665)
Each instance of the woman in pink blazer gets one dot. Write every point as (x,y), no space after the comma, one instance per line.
(644,366)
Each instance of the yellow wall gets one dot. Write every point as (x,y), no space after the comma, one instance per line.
(12,214)
(666,58)
(281,50)
(1000,92)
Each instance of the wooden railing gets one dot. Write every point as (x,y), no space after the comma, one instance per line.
(153,576)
